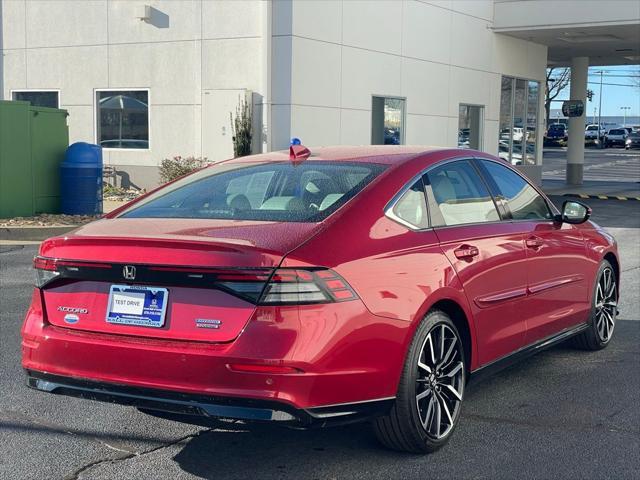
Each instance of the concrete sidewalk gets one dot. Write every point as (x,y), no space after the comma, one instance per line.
(594,189)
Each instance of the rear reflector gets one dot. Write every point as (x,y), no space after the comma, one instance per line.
(256,368)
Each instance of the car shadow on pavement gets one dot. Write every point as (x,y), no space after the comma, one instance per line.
(541,394)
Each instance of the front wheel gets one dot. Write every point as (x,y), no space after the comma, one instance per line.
(431,389)
(604,310)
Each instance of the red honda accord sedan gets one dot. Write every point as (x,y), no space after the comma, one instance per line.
(316,288)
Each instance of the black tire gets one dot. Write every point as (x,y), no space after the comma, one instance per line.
(603,312)
(404,428)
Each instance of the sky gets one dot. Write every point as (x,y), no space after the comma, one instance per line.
(625,93)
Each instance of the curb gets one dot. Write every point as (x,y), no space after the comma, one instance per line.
(33,233)
(602,197)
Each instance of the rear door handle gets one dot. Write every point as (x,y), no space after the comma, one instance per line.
(534,242)
(466,252)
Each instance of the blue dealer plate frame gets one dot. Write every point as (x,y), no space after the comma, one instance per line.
(154,307)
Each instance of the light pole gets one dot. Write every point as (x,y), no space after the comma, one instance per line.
(600,112)
(624,110)
(595,109)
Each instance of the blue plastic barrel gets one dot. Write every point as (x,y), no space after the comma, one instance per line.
(81,180)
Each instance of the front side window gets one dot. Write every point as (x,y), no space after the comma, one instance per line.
(524,202)
(459,195)
(280,192)
(122,119)
(38,98)
(387,121)
(411,207)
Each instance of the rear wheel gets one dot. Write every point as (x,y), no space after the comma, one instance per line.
(427,406)
(603,311)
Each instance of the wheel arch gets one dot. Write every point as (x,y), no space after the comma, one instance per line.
(613,260)
(460,319)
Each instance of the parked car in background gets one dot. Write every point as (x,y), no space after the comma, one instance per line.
(615,136)
(391,136)
(556,132)
(351,284)
(592,132)
(632,141)
(463,137)
(506,133)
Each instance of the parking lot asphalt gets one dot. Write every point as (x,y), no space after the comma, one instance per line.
(609,164)
(561,414)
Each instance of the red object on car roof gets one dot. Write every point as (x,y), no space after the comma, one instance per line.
(298,153)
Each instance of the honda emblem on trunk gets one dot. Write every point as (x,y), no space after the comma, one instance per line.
(129,272)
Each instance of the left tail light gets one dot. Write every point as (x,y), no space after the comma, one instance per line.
(46,270)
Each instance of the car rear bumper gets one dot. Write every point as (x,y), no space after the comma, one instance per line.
(191,405)
(307,357)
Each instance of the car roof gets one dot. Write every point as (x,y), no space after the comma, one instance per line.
(381,154)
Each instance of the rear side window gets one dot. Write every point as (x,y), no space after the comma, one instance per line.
(459,195)
(411,207)
(265,191)
(524,202)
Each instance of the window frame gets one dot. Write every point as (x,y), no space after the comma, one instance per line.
(428,195)
(481,133)
(503,212)
(95,117)
(403,118)
(36,90)
(512,110)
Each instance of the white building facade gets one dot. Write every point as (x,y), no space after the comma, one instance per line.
(153,79)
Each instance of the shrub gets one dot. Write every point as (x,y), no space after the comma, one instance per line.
(241,129)
(172,168)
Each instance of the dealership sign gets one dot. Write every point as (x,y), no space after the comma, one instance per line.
(572,108)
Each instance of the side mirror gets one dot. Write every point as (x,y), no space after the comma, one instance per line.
(573,212)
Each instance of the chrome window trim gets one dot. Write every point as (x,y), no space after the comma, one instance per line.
(388,209)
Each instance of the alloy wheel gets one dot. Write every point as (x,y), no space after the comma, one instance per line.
(606,304)
(440,381)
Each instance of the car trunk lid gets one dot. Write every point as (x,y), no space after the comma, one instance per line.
(205,274)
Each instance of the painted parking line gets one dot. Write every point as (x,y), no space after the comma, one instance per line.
(602,197)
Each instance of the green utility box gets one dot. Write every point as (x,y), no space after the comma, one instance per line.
(33,141)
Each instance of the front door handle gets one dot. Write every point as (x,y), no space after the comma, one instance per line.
(466,252)
(534,242)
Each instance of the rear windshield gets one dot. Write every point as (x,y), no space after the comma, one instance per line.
(592,127)
(307,192)
(618,132)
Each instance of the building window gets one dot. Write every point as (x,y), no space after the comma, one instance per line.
(122,119)
(518,135)
(470,126)
(387,121)
(38,98)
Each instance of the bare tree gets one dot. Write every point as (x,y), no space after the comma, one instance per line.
(557,80)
